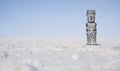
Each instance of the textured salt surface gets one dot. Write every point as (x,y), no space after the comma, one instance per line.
(59,55)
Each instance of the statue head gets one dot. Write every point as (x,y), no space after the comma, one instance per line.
(91,16)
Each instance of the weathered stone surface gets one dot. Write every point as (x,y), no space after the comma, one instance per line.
(91,28)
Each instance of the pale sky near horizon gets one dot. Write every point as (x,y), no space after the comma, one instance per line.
(58,18)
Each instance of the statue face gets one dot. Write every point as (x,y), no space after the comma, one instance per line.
(91,18)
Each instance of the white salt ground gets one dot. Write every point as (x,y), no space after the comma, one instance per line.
(59,55)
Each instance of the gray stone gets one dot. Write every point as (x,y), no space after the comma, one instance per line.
(91,28)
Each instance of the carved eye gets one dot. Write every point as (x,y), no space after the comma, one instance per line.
(90,17)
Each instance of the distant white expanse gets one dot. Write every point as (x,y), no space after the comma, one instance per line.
(59,55)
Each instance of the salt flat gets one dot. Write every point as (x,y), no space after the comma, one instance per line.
(59,55)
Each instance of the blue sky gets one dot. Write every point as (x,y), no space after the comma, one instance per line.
(58,18)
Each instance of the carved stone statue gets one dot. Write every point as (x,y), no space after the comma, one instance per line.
(91,28)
